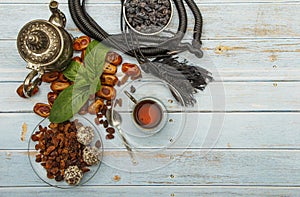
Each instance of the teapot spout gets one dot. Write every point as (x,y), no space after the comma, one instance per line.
(57,18)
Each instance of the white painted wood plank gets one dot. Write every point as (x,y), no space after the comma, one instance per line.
(217,167)
(117,2)
(137,191)
(240,130)
(239,96)
(263,20)
(268,59)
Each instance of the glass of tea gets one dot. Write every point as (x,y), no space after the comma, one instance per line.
(149,115)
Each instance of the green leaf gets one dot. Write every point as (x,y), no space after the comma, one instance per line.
(94,59)
(68,103)
(71,71)
(86,81)
(95,87)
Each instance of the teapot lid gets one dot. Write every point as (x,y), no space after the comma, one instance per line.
(40,42)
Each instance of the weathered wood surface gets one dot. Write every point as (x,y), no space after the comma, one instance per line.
(252,46)
(216,167)
(134,191)
(239,96)
(222,21)
(228,60)
(240,130)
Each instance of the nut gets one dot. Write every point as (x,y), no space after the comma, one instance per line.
(20,91)
(106,92)
(58,86)
(110,80)
(51,97)
(130,69)
(49,77)
(113,58)
(81,43)
(42,109)
(109,69)
(96,106)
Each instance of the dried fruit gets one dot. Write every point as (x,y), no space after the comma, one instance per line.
(58,86)
(83,52)
(62,78)
(49,77)
(77,59)
(42,109)
(107,92)
(20,91)
(110,80)
(130,69)
(109,69)
(51,97)
(96,106)
(81,43)
(113,58)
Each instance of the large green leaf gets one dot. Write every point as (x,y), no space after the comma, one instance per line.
(68,103)
(71,71)
(86,81)
(94,59)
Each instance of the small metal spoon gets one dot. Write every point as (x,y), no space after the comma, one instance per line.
(114,119)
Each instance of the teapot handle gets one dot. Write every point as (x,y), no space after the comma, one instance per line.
(30,83)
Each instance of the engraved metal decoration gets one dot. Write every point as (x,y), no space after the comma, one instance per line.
(46,46)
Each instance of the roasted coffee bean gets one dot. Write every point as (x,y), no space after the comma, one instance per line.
(98,144)
(110,136)
(110,130)
(105,124)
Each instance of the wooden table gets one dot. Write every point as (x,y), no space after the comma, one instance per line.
(248,119)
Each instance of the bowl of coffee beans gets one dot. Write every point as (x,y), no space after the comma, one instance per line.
(148,17)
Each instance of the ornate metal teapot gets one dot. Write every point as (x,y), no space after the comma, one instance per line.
(46,46)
